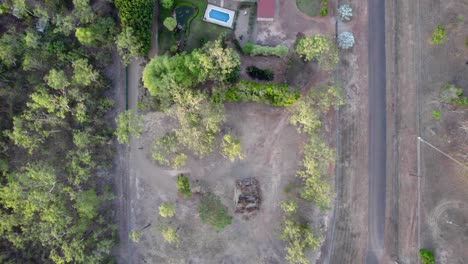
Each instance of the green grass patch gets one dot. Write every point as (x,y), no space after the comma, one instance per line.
(309,7)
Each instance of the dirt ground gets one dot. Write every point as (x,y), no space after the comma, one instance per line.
(350,222)
(425,210)
(288,22)
(272,155)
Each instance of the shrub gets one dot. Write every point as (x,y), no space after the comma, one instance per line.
(166,210)
(451,94)
(170,23)
(346,40)
(258,50)
(213,213)
(135,235)
(439,36)
(260,74)
(426,256)
(170,235)
(324,10)
(436,114)
(271,93)
(345,13)
(183,185)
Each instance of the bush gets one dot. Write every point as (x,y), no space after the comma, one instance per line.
(451,94)
(324,10)
(346,40)
(258,50)
(137,14)
(170,23)
(436,114)
(345,13)
(183,185)
(260,74)
(426,256)
(213,213)
(271,93)
(135,235)
(439,36)
(166,210)
(299,239)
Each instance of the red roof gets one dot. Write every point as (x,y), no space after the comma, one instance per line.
(266,9)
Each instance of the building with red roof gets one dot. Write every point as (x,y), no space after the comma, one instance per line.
(266,10)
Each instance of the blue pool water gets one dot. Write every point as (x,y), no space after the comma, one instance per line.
(218,15)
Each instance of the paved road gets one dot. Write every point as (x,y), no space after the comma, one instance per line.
(377,130)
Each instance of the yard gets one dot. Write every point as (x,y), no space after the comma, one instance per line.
(194,33)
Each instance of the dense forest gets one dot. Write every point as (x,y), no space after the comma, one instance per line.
(57,135)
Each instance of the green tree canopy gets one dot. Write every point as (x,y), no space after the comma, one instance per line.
(320,49)
(97,34)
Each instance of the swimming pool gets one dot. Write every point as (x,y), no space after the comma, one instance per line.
(219,15)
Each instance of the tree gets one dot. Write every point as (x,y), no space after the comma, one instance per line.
(97,34)
(170,23)
(83,73)
(166,210)
(82,11)
(439,36)
(426,256)
(299,238)
(183,185)
(345,12)
(128,125)
(320,49)
(87,203)
(64,24)
(11,46)
(213,213)
(56,79)
(346,40)
(167,3)
(289,207)
(128,45)
(231,148)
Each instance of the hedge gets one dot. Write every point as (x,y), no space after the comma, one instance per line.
(258,50)
(271,93)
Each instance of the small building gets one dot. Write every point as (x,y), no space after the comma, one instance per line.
(266,10)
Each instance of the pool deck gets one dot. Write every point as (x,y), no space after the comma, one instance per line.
(231,13)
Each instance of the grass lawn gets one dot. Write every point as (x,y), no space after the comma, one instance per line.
(200,31)
(309,7)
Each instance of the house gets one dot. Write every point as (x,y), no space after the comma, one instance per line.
(266,10)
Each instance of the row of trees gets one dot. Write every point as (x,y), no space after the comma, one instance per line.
(54,141)
(306,115)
